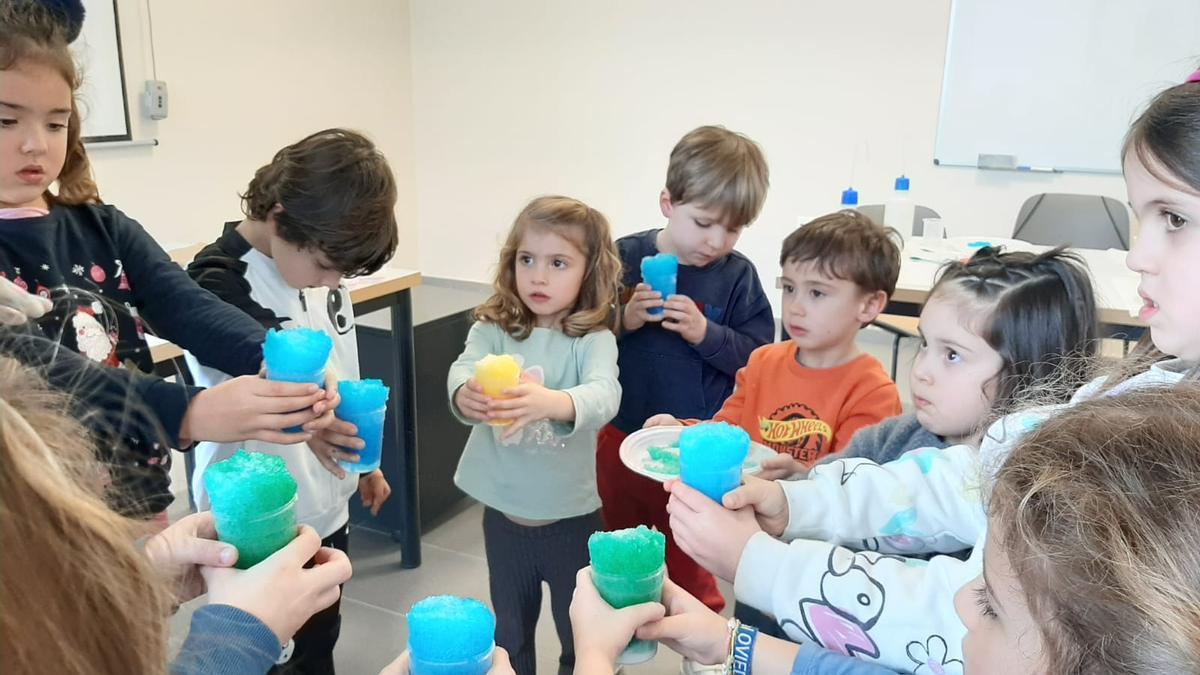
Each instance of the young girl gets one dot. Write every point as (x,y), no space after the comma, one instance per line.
(73,578)
(889,608)
(1091,560)
(1030,320)
(104,272)
(555,289)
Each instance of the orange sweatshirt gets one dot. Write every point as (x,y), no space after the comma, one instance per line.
(808,412)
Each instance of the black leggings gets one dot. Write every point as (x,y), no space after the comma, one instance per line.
(519,559)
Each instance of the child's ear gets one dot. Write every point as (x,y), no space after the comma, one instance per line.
(872,306)
(664,203)
(270,219)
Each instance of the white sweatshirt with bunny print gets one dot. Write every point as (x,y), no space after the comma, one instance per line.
(845,581)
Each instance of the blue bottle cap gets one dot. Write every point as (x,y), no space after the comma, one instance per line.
(902,183)
(849,197)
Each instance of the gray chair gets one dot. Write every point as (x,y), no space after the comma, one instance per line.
(899,326)
(920,213)
(1082,221)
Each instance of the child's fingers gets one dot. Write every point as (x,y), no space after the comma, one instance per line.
(279,437)
(286,404)
(692,499)
(325,455)
(286,420)
(275,389)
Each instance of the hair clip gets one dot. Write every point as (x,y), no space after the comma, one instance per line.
(1194,77)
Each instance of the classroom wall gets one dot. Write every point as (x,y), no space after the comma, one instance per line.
(519,98)
(246,78)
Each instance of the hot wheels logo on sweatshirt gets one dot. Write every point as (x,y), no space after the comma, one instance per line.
(796,430)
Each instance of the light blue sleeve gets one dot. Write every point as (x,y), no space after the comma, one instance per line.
(813,660)
(598,394)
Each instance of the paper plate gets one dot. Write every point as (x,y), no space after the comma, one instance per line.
(635,452)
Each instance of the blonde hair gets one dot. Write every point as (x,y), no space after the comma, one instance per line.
(717,168)
(76,596)
(30,33)
(1097,512)
(588,229)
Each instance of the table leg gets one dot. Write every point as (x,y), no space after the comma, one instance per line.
(404,429)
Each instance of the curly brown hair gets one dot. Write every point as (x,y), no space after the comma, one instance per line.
(588,229)
(336,195)
(31,33)
(1097,511)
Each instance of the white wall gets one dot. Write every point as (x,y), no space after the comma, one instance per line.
(523,97)
(246,78)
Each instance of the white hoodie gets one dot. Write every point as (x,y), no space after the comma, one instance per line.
(872,601)
(322,500)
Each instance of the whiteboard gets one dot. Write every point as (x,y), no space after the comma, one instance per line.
(102,99)
(1056,83)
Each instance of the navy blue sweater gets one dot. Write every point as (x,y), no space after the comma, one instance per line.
(660,371)
(111,283)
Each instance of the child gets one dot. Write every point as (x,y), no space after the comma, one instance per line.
(1037,352)
(683,361)
(104,273)
(74,577)
(997,329)
(323,208)
(1090,558)
(807,397)
(935,488)
(554,291)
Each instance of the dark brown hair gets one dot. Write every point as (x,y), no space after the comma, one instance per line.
(721,169)
(1037,310)
(588,229)
(847,245)
(1097,511)
(30,33)
(337,195)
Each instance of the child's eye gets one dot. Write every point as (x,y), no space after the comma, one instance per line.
(952,356)
(816,294)
(923,345)
(57,126)
(703,226)
(985,607)
(560,264)
(788,289)
(8,122)
(525,259)
(1174,220)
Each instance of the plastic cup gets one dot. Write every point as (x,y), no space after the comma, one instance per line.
(297,355)
(621,590)
(711,458)
(497,373)
(364,404)
(661,272)
(448,635)
(628,567)
(253,504)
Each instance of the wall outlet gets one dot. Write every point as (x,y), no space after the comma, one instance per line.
(154,100)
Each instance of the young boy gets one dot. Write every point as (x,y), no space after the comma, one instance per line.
(322,209)
(806,398)
(683,361)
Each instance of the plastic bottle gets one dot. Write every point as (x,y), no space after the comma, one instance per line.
(898,212)
(849,198)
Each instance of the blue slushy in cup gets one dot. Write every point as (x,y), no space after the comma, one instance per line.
(364,404)
(297,355)
(711,457)
(448,635)
(661,272)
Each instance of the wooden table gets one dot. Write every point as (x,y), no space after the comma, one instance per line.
(1117,300)
(389,288)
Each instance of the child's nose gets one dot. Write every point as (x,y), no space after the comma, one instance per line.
(34,143)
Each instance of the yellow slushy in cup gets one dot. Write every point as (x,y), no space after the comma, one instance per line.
(497,373)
